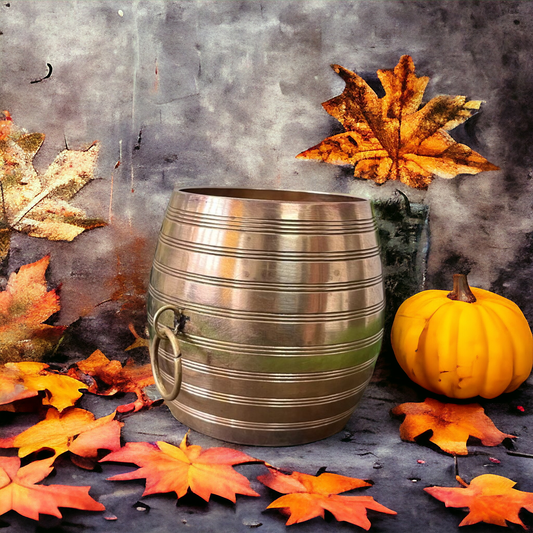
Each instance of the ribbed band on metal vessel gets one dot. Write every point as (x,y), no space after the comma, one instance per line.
(284,294)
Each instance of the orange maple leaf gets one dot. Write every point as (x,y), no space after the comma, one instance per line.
(19,492)
(25,379)
(490,499)
(24,306)
(74,430)
(451,424)
(393,138)
(168,468)
(6,123)
(308,496)
(130,378)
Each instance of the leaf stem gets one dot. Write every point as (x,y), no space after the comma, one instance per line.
(520,454)
(4,212)
(458,478)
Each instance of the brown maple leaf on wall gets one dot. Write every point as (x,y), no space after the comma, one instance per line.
(396,137)
(38,204)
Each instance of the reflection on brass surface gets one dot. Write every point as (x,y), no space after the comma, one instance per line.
(283,291)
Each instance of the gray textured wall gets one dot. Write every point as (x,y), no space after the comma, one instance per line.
(227,92)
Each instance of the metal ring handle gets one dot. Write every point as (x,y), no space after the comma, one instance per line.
(160,311)
(154,348)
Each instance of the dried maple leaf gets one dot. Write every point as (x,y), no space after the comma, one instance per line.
(168,468)
(393,138)
(24,380)
(450,423)
(140,342)
(116,378)
(490,499)
(12,386)
(308,496)
(24,306)
(6,123)
(74,430)
(19,492)
(38,204)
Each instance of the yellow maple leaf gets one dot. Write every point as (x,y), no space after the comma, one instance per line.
(75,430)
(26,379)
(393,137)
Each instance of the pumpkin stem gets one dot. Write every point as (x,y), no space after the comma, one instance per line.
(461,290)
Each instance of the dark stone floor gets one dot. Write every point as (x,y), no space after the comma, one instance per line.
(369,447)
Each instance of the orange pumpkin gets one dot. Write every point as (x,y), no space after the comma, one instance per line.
(462,344)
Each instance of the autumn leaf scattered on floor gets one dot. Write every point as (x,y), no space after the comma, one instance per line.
(24,305)
(140,342)
(19,492)
(38,204)
(110,377)
(490,499)
(393,138)
(308,496)
(450,423)
(74,430)
(26,379)
(168,468)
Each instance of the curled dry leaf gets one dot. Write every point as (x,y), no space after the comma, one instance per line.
(168,468)
(19,491)
(24,305)
(74,430)
(308,496)
(38,204)
(12,387)
(26,379)
(450,423)
(140,342)
(111,377)
(489,498)
(393,137)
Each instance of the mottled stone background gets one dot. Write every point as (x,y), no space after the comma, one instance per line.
(228,92)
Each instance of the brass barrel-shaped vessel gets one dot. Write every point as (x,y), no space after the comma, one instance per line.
(279,309)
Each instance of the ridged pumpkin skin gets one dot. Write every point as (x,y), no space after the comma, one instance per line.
(462,349)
